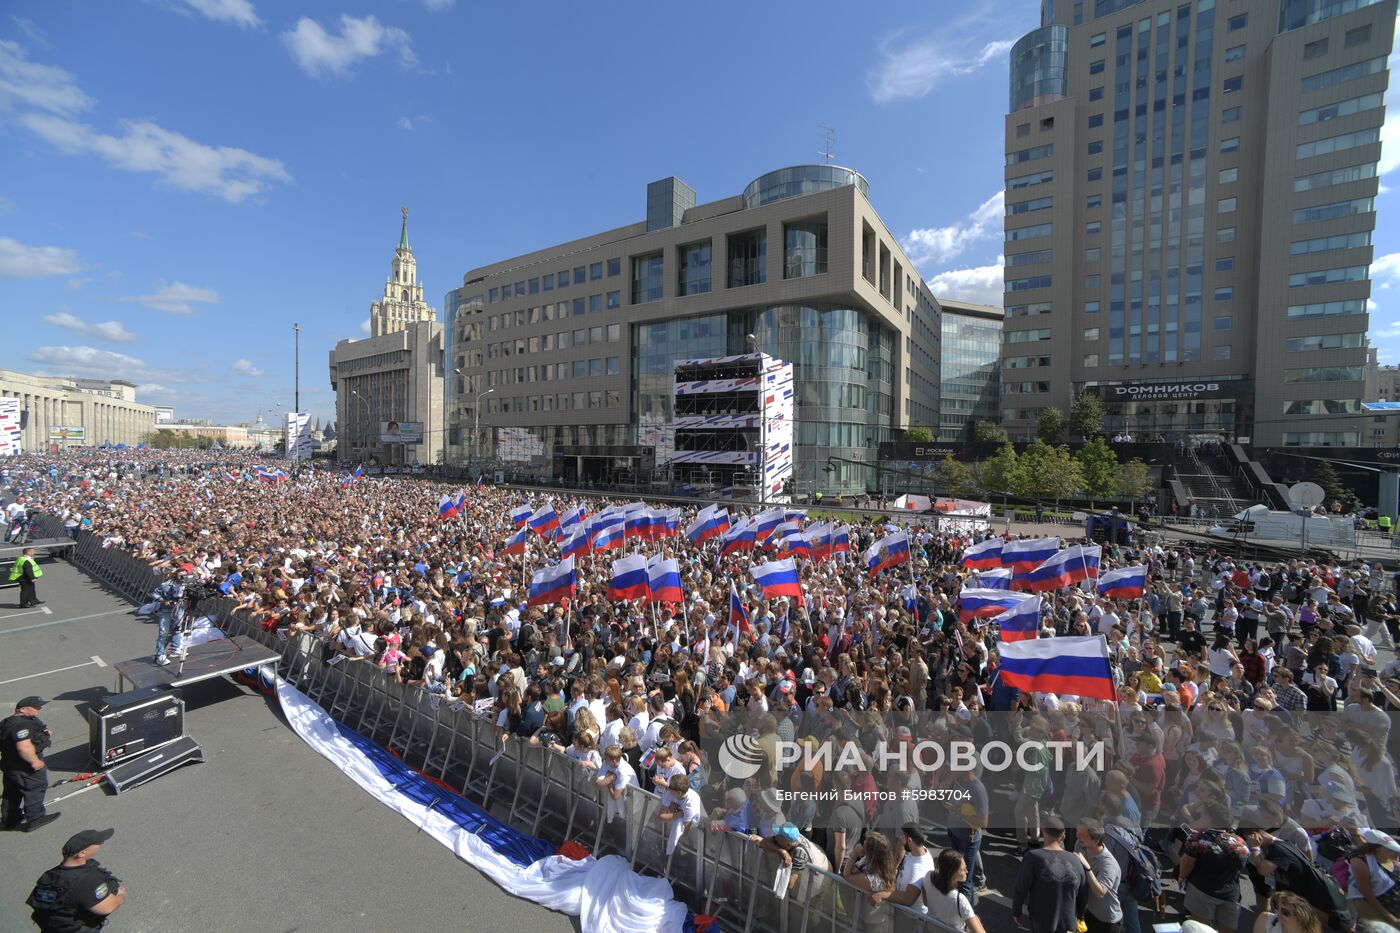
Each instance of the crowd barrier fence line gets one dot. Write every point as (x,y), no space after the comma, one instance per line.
(550,795)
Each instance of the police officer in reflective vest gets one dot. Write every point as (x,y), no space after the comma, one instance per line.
(26,571)
(23,739)
(77,894)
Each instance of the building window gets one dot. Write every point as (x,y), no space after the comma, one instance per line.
(1237,23)
(549,282)
(1093,227)
(595,304)
(1230,85)
(1091,360)
(1232,144)
(1225,205)
(1091,281)
(1092,254)
(648,274)
(1334,210)
(1324,342)
(1358,36)
(534,286)
(1027,233)
(1315,49)
(1230,115)
(1093,201)
(1229,175)
(1023,130)
(1328,308)
(1094,174)
(1026,207)
(804,249)
(1328,243)
(1091,307)
(595,271)
(1234,53)
(1095,147)
(1342,108)
(693,274)
(1220,353)
(1096,68)
(1225,264)
(580,275)
(1339,176)
(1225,235)
(1097,39)
(1323,374)
(1095,120)
(1329,276)
(1224,322)
(614,267)
(1225,293)
(1095,93)
(580,307)
(1091,333)
(614,300)
(564,278)
(748,258)
(1326,79)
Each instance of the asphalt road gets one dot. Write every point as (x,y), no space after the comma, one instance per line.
(264,835)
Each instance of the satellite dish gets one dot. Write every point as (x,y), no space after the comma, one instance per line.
(1305,495)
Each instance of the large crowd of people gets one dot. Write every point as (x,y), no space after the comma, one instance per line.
(1249,753)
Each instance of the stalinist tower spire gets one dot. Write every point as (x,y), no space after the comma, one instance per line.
(402,302)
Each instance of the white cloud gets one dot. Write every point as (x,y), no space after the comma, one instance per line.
(364,326)
(138,235)
(913,68)
(89,361)
(32,32)
(979,284)
(246,368)
(176,298)
(1385,268)
(237,12)
(1390,131)
(405,123)
(18,261)
(111,331)
(940,244)
(44,87)
(320,53)
(438,6)
(144,146)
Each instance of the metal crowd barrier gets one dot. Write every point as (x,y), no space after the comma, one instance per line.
(538,790)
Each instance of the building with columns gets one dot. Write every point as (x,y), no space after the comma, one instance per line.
(105,410)
(389,385)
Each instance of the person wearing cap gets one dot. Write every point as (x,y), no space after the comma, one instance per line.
(78,893)
(796,852)
(26,570)
(23,739)
(1374,886)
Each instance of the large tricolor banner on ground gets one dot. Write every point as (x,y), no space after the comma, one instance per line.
(605,894)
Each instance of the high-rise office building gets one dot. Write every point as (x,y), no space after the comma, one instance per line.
(1190,196)
(969,366)
(562,360)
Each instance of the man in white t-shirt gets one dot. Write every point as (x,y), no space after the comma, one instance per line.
(917,861)
(681,810)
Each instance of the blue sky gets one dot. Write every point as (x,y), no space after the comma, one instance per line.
(183,179)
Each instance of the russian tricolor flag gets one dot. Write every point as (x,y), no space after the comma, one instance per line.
(983,604)
(638,524)
(1075,665)
(544,521)
(841,540)
(608,537)
(1124,583)
(630,579)
(890,551)
(739,538)
(1026,554)
(1021,621)
(574,516)
(765,523)
(710,523)
(576,544)
(995,579)
(515,544)
(985,555)
(793,544)
(778,578)
(553,584)
(352,479)
(519,516)
(447,507)
(669,521)
(1068,567)
(738,614)
(664,581)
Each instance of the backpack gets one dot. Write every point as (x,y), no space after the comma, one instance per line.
(1142,875)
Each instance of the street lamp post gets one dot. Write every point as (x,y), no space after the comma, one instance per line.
(368,420)
(476,424)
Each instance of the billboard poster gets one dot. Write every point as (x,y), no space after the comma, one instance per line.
(401,432)
(10,435)
(297,435)
(62,433)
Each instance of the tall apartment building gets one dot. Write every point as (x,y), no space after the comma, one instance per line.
(970,367)
(564,356)
(1190,195)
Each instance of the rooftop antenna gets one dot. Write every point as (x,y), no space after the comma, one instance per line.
(828,149)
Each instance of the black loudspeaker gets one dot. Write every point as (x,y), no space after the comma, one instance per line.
(147,767)
(134,723)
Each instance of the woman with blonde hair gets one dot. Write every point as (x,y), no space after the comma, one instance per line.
(1286,912)
(873,866)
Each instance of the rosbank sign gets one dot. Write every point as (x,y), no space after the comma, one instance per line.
(1175,391)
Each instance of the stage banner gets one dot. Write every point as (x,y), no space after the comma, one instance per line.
(11,441)
(297,435)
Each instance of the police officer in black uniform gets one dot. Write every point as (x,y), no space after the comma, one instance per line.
(78,894)
(23,739)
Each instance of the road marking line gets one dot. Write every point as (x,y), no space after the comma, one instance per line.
(57,670)
(46,611)
(26,612)
(95,615)
(98,661)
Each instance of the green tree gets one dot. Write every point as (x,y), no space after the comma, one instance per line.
(1326,476)
(919,435)
(1000,473)
(1048,473)
(989,432)
(1050,426)
(1086,416)
(955,476)
(1099,464)
(1135,480)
